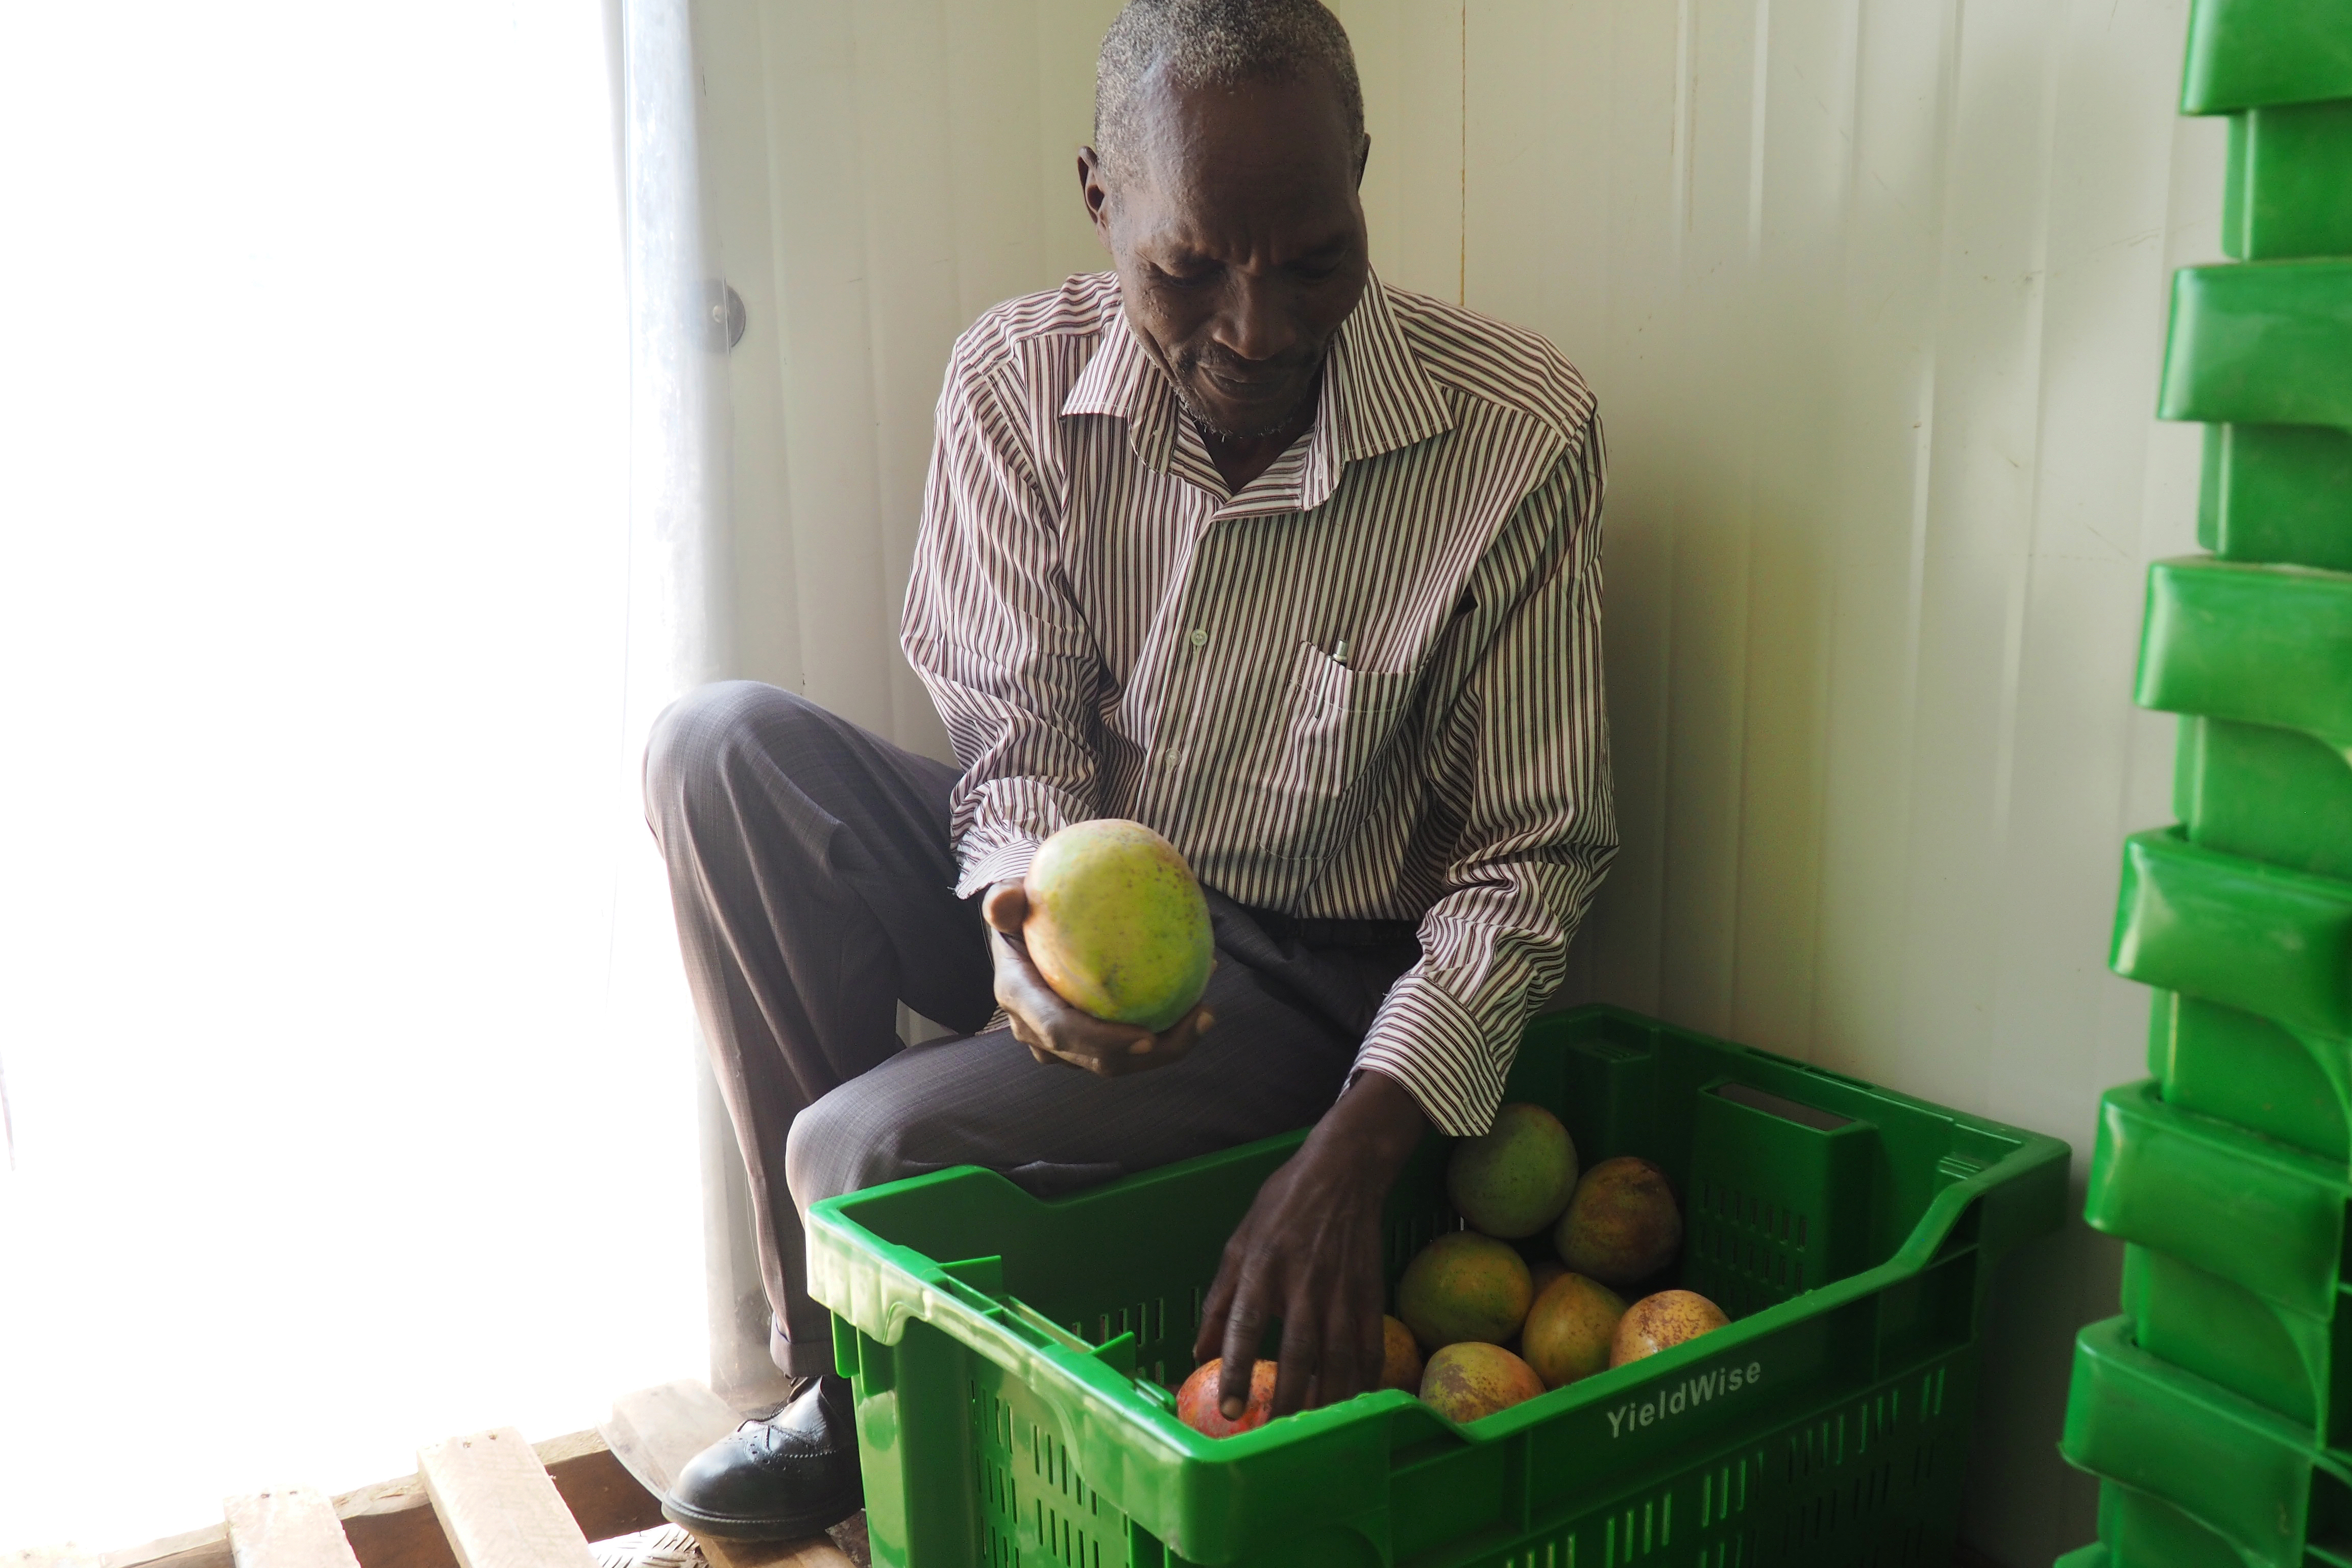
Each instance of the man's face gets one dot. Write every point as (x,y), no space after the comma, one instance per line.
(1239,241)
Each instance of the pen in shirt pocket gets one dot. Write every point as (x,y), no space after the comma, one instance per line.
(1339,651)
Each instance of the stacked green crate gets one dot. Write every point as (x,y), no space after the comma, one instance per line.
(2218,1409)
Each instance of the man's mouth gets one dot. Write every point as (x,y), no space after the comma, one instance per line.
(1261,400)
(1258,386)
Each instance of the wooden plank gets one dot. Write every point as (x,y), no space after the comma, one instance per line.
(391,1525)
(203,1548)
(498,1506)
(655,1431)
(65,1556)
(603,1498)
(293,1527)
(817,1551)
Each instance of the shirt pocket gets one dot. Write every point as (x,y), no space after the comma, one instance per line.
(1339,723)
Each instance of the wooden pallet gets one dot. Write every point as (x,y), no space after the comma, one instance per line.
(486,1501)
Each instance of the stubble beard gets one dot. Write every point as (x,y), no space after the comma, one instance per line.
(1190,365)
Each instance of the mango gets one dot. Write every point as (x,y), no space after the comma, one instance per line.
(1513,1179)
(1469,1380)
(1570,1330)
(1400,1355)
(1662,1321)
(1196,1401)
(1622,1225)
(1116,923)
(1464,1285)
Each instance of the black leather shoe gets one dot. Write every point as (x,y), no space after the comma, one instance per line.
(790,1476)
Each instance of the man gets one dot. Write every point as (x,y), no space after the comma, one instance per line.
(1303,572)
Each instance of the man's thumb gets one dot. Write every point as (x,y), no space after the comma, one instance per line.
(1005,906)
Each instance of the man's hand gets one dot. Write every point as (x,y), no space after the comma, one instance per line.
(1053,1029)
(1309,1253)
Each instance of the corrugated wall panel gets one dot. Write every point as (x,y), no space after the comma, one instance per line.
(1872,293)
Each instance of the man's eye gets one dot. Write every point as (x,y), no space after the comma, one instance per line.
(1195,279)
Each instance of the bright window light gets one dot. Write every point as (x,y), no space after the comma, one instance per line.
(349,1070)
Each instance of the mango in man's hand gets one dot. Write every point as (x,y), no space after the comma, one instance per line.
(1116,923)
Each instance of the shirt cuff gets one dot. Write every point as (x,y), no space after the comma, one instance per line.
(1429,1042)
(1006,861)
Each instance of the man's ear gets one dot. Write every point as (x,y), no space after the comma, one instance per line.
(1363,156)
(1094,190)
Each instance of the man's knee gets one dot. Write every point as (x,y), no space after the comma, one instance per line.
(698,737)
(844,1142)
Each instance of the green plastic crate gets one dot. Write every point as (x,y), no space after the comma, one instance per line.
(2261,644)
(2235,1268)
(2091,1556)
(2261,1214)
(1011,1356)
(2248,934)
(2225,1462)
(2294,1086)
(2242,53)
(2291,1363)
(2264,792)
(2277,492)
(2138,1530)
(2261,342)
(2289,188)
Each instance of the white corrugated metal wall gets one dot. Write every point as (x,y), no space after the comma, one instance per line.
(1872,293)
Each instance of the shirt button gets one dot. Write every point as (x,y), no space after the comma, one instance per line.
(1199,636)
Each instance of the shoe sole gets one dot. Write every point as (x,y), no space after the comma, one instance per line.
(790,1527)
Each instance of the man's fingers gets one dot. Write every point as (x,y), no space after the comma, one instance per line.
(1244,1330)
(1158,1050)
(1211,1340)
(1340,1373)
(1372,1347)
(1100,1047)
(1154,1051)
(1344,1372)
(1299,1363)
(1371,1332)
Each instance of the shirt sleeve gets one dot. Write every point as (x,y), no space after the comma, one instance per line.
(990,629)
(1538,826)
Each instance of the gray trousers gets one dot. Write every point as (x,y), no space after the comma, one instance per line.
(815,890)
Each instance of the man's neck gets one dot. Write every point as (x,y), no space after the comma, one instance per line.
(1242,458)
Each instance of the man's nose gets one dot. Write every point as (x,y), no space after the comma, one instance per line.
(1257,324)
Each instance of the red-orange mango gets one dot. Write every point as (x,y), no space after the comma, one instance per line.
(1196,1402)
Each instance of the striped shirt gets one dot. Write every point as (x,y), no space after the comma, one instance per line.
(1367,686)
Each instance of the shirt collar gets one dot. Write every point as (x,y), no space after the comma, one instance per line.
(1376,397)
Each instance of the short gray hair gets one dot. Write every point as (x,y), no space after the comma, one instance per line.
(1216,43)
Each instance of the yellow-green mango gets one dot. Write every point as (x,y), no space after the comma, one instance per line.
(1116,923)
